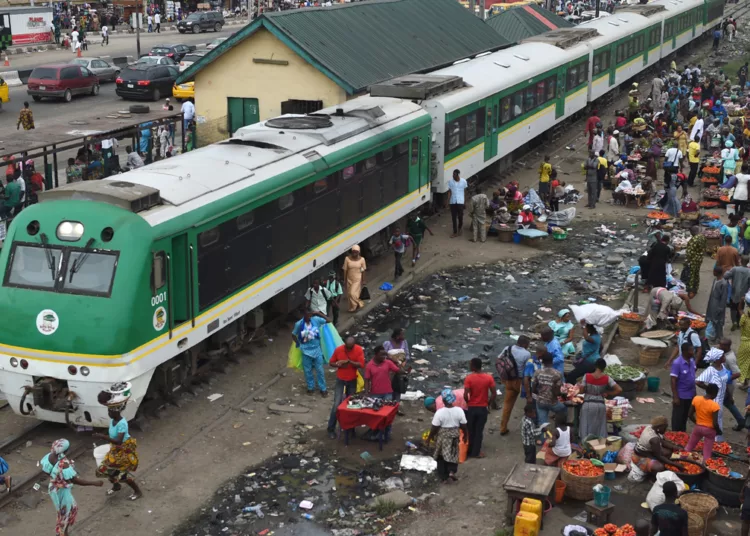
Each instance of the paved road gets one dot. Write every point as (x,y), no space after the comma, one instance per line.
(119,45)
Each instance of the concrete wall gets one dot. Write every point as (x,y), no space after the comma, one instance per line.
(235,74)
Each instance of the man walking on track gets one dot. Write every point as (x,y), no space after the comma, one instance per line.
(457,186)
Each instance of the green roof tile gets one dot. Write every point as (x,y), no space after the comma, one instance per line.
(518,23)
(363,43)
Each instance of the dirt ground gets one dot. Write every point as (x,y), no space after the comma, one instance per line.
(193,454)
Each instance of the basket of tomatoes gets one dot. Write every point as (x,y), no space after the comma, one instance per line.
(580,477)
(690,473)
(727,474)
(658,215)
(611,529)
(630,324)
(708,204)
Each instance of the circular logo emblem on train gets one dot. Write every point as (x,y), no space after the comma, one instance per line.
(47,322)
(160,318)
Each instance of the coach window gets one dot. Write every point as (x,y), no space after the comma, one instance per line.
(209,237)
(551,86)
(370,163)
(471,131)
(320,186)
(245,220)
(387,154)
(454,135)
(505,110)
(415,149)
(517,104)
(286,201)
(572,77)
(158,271)
(583,73)
(530,99)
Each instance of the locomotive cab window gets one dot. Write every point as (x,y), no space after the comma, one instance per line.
(158,271)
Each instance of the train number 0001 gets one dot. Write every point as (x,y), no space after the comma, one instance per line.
(159,298)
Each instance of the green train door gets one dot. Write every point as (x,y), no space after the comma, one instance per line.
(491,123)
(612,64)
(560,93)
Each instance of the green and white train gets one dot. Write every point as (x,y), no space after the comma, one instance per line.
(148,276)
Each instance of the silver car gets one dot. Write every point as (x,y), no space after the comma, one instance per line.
(155,60)
(191,58)
(104,70)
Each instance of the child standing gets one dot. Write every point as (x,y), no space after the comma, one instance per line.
(398,242)
(528,433)
(416,228)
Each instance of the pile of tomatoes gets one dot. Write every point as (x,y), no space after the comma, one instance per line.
(582,468)
(613,530)
(678,438)
(689,469)
(715,463)
(632,316)
(719,447)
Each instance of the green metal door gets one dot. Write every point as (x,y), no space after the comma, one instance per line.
(241,112)
(179,280)
(560,93)
(612,64)
(490,128)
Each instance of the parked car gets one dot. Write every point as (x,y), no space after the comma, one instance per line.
(146,81)
(154,60)
(201,22)
(191,58)
(183,91)
(176,52)
(215,43)
(105,71)
(61,81)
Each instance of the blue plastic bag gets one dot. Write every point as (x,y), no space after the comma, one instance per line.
(710,331)
(329,340)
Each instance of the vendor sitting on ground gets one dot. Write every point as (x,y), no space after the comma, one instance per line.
(525,218)
(652,451)
(563,329)
(664,303)
(433,404)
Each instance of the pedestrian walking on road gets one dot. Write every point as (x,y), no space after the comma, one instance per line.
(717,38)
(416,228)
(592,179)
(157,20)
(447,425)
(480,394)
(62,476)
(682,378)
(354,276)
(398,242)
(457,187)
(717,305)
(105,35)
(742,77)
(25,118)
(150,24)
(510,366)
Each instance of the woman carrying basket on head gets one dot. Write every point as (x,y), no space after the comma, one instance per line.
(122,459)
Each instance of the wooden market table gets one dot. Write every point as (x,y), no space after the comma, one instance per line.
(529,480)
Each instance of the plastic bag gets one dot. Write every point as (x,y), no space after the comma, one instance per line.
(295,357)
(562,218)
(329,340)
(463,448)
(710,331)
(636,475)
(655,496)
(626,454)
(593,313)
(360,383)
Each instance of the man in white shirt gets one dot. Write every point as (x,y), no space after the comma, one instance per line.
(697,129)
(157,20)
(74,40)
(134,159)
(457,187)
(105,35)
(150,24)
(671,164)
(188,112)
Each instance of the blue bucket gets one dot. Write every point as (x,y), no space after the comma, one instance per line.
(517,238)
(601,498)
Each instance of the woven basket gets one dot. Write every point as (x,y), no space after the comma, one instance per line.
(695,525)
(701,504)
(629,328)
(580,488)
(649,357)
(505,235)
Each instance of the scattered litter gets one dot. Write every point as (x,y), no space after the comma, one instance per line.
(510,278)
(214,397)
(462,299)
(366,456)
(412,395)
(426,464)
(254,508)
(645,400)
(386,287)
(306,505)
(425,347)
(420,361)
(582,517)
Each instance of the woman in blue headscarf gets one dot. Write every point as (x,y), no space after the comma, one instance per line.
(447,424)
(62,476)
(729,157)
(563,330)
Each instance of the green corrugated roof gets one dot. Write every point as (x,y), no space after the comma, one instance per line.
(362,43)
(518,23)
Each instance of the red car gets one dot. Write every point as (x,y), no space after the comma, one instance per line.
(62,81)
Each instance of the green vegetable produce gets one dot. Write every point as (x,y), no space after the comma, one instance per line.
(623,372)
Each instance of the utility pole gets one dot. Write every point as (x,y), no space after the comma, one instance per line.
(138,33)
(481,9)
(597,9)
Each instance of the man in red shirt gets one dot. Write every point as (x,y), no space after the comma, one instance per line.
(378,374)
(591,126)
(347,359)
(479,393)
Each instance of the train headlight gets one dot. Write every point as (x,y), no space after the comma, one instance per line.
(13,362)
(24,364)
(85,371)
(72,370)
(70,231)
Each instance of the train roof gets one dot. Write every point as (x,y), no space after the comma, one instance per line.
(512,66)
(617,26)
(251,164)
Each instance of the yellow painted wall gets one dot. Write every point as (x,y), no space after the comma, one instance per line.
(234,74)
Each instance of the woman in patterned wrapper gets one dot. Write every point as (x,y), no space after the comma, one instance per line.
(122,459)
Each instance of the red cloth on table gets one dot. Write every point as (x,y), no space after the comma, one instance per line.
(375,420)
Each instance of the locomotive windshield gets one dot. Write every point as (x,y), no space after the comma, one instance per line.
(55,269)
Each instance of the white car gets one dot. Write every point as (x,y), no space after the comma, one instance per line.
(216,42)
(191,58)
(155,60)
